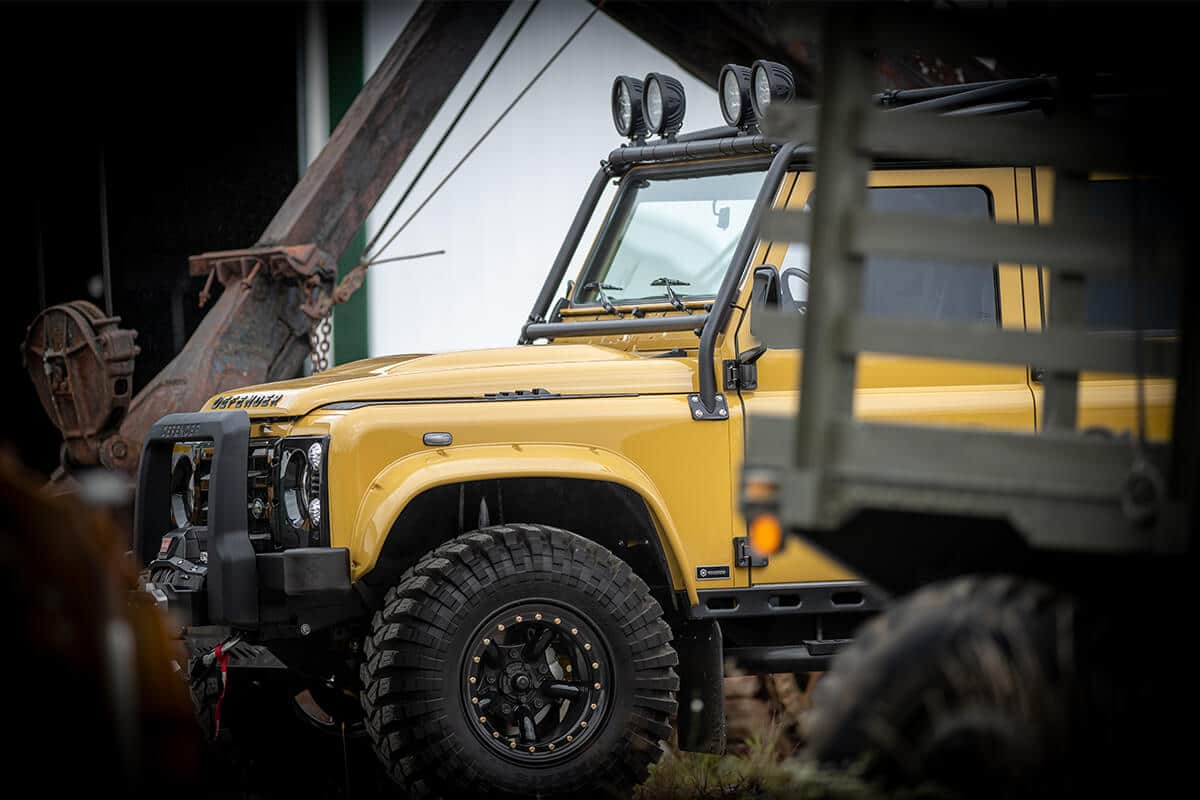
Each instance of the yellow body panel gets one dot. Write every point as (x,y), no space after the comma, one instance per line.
(622,415)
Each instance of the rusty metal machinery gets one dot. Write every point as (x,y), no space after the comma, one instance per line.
(275,294)
(81,363)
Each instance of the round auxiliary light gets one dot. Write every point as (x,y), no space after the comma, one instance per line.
(314,455)
(734,89)
(663,103)
(627,107)
(771,83)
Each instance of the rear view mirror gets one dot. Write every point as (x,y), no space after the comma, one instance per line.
(765,293)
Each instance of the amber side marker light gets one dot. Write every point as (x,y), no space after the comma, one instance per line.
(766,534)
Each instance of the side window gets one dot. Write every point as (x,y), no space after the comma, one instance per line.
(929,290)
(911,288)
(1110,299)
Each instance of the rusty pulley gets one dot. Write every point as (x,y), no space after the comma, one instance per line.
(81,364)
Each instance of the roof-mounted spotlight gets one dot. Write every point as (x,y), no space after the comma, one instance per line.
(663,103)
(627,107)
(733,86)
(773,83)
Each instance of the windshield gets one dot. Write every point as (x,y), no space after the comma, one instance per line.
(681,229)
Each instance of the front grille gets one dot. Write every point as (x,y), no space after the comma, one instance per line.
(261,504)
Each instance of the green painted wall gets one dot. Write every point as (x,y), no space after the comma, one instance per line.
(344,29)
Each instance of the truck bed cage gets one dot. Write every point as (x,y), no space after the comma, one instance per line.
(1059,488)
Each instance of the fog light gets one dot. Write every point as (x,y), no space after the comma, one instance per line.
(773,83)
(734,89)
(627,107)
(663,103)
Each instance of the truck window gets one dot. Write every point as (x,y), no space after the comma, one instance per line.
(918,289)
(1110,300)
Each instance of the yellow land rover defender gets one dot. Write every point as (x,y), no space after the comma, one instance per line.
(519,564)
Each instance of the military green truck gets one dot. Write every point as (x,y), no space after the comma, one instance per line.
(1042,572)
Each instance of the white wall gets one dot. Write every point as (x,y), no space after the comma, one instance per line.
(502,217)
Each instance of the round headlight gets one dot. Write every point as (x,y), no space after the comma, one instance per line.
(773,83)
(627,106)
(314,510)
(315,452)
(663,103)
(734,85)
(293,475)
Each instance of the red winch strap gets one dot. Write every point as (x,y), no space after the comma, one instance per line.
(223,660)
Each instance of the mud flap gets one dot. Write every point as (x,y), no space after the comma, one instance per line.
(701,723)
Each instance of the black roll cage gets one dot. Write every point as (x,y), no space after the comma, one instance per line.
(709,324)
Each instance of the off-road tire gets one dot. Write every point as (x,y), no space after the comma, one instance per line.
(971,685)
(413,692)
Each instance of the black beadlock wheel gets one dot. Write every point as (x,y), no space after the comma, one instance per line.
(519,660)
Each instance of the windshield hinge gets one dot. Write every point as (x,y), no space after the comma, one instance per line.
(700,412)
(739,376)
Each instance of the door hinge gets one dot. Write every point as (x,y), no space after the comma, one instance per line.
(744,555)
(739,375)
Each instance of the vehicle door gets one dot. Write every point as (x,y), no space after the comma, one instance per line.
(1109,402)
(900,388)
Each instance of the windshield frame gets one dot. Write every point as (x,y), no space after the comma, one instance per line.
(620,207)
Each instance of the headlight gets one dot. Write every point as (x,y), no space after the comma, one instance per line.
(773,83)
(301,493)
(663,103)
(627,107)
(294,479)
(734,89)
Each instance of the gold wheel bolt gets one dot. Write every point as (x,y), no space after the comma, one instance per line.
(532,749)
(538,616)
(486,642)
(570,738)
(551,745)
(587,646)
(475,659)
(574,631)
(595,665)
(597,685)
(593,706)
(471,679)
(475,700)
(583,724)
(495,734)
(500,627)
(518,617)
(483,719)
(558,621)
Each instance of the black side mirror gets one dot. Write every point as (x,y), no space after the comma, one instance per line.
(765,292)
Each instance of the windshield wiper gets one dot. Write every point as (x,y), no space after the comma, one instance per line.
(668,283)
(605,303)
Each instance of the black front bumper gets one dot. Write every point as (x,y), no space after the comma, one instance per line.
(242,589)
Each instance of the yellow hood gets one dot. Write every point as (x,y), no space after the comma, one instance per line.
(573,369)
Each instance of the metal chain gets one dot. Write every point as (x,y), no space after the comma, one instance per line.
(318,339)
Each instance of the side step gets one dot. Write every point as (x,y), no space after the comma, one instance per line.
(810,656)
